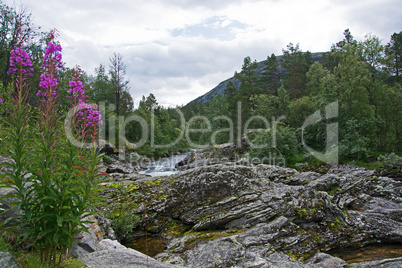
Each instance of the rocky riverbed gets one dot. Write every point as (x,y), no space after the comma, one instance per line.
(234,214)
(240,215)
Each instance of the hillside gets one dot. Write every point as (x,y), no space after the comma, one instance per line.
(219,89)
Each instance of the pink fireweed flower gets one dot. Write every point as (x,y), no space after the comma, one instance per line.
(48,81)
(53,55)
(51,62)
(87,117)
(1,101)
(77,90)
(20,59)
(89,114)
(93,117)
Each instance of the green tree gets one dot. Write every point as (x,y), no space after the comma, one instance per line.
(267,105)
(314,78)
(101,87)
(230,91)
(394,52)
(329,60)
(117,71)
(353,81)
(163,133)
(389,114)
(373,52)
(248,80)
(356,114)
(296,64)
(270,145)
(289,62)
(347,40)
(284,101)
(231,101)
(299,110)
(13,23)
(270,76)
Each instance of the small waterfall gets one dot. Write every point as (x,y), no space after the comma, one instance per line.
(164,166)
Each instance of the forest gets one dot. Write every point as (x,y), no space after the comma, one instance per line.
(362,76)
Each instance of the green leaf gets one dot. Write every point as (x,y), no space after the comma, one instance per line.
(59,221)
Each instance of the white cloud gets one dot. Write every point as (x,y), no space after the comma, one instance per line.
(181,49)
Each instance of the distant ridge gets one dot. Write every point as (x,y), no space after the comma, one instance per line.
(220,88)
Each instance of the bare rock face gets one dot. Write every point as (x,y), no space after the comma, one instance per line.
(222,215)
(7,260)
(116,255)
(106,147)
(88,242)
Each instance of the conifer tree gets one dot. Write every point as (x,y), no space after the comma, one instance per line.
(248,81)
(270,75)
(117,70)
(394,52)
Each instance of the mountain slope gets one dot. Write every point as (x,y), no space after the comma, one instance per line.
(220,88)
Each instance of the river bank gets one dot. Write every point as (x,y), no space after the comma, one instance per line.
(219,214)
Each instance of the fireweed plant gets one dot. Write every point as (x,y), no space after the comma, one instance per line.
(16,130)
(55,195)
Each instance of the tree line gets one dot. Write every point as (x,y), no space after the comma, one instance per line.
(363,76)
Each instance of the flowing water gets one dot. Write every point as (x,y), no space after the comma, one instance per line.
(164,166)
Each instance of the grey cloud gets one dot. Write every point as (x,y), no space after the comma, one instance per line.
(382,18)
(212,28)
(171,72)
(207,4)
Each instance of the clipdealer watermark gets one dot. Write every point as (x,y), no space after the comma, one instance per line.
(330,156)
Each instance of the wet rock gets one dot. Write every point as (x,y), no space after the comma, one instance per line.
(323,260)
(279,259)
(219,253)
(116,255)
(105,225)
(120,167)
(88,242)
(106,147)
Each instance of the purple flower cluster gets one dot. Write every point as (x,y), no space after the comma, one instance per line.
(1,101)
(47,81)
(94,117)
(76,90)
(20,59)
(52,55)
(51,62)
(89,114)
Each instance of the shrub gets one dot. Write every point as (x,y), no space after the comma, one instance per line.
(264,147)
(391,160)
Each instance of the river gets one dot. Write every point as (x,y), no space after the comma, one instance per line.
(164,166)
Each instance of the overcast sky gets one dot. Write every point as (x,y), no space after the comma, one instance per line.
(181,49)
